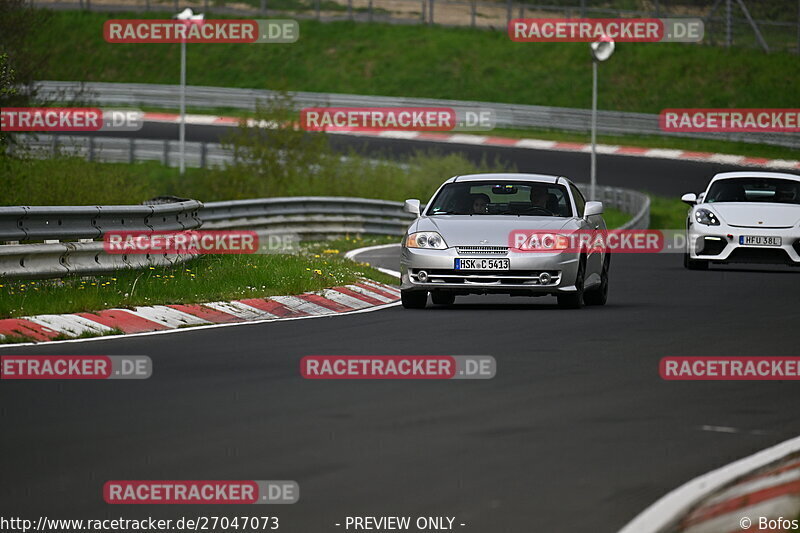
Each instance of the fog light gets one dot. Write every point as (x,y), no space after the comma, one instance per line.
(544,278)
(422,276)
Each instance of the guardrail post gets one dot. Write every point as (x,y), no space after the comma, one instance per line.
(176,5)
(263,7)
(430,11)
(53,145)
(132,151)
(350,9)
(317,7)
(203,155)
(147,5)
(165,162)
(510,11)
(473,14)
(422,12)
(370,10)
(91,149)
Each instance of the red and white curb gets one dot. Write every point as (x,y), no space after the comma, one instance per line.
(733,498)
(772,493)
(535,144)
(360,296)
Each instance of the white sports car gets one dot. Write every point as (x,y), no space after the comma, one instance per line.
(744,217)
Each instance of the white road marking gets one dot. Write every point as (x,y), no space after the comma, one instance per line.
(69,324)
(298,304)
(240,310)
(168,316)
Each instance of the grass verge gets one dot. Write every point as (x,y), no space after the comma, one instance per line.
(347,57)
(206,279)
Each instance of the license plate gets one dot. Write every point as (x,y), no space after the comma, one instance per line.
(482,264)
(759,240)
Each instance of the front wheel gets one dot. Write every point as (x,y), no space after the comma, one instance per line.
(574,300)
(414,299)
(694,264)
(599,294)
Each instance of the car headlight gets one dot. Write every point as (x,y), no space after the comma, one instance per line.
(426,239)
(706,217)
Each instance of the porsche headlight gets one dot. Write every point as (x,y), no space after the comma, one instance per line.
(426,239)
(706,217)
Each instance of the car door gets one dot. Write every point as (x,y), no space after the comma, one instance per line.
(594,224)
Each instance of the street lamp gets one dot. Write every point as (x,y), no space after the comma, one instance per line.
(189,17)
(601,51)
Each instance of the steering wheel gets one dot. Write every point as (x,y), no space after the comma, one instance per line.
(539,208)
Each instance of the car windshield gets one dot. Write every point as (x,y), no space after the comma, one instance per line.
(502,198)
(767,190)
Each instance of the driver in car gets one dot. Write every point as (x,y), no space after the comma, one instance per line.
(479,204)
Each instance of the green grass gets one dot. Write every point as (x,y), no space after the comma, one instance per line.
(208,278)
(614,217)
(421,61)
(74,181)
(667,213)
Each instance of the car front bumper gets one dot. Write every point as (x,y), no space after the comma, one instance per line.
(721,244)
(523,278)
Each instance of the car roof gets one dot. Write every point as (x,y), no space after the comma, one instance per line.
(746,174)
(507,176)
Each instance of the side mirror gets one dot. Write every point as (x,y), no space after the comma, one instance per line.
(593,208)
(690,198)
(411,206)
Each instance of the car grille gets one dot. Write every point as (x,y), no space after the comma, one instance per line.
(482,250)
(481,277)
(759,255)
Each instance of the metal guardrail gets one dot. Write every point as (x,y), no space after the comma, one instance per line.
(53,224)
(122,150)
(516,116)
(307,216)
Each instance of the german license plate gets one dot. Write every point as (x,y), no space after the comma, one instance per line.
(760,240)
(482,264)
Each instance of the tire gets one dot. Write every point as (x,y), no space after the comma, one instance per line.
(443,297)
(599,295)
(694,264)
(414,299)
(575,300)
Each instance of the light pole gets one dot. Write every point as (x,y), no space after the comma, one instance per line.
(188,16)
(601,51)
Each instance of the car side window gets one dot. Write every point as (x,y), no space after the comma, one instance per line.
(580,201)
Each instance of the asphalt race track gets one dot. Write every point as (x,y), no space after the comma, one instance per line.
(576,433)
(665,177)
